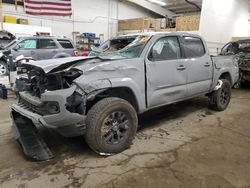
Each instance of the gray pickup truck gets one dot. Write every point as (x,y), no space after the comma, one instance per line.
(100,97)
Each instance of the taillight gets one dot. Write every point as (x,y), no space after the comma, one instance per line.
(76,53)
(85,53)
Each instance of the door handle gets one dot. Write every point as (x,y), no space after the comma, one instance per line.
(206,64)
(181,67)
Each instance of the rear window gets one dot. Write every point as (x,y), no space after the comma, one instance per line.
(65,43)
(193,47)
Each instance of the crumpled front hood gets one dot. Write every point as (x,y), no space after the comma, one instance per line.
(53,64)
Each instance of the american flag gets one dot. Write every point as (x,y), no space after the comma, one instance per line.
(48,7)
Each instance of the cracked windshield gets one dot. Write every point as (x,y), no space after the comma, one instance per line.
(133,50)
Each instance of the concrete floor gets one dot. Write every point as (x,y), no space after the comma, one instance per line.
(183,145)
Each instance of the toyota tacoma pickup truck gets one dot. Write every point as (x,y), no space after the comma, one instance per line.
(101,97)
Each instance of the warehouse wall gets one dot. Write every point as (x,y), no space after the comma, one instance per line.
(99,16)
(223,19)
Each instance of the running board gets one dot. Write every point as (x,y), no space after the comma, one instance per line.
(25,132)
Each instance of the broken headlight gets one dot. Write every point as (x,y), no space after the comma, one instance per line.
(51,107)
(76,103)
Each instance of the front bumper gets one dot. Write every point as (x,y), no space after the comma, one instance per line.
(28,123)
(66,123)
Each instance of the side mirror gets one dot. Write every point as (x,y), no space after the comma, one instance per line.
(150,56)
(17,47)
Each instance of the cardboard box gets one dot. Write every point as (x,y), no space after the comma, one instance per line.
(22,21)
(160,23)
(167,30)
(137,24)
(188,23)
(10,19)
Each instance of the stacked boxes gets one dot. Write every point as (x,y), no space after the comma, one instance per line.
(183,23)
(90,35)
(14,20)
(22,21)
(138,24)
(10,19)
(188,23)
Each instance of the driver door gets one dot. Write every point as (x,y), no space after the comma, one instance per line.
(166,72)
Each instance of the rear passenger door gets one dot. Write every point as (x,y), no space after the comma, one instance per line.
(47,49)
(199,66)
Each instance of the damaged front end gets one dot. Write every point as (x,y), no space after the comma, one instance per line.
(244,66)
(47,100)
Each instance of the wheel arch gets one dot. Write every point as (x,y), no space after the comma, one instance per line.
(122,92)
(227,76)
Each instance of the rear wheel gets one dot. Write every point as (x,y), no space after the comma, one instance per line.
(111,126)
(3,68)
(220,98)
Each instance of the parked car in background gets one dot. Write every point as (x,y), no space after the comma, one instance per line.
(38,48)
(241,50)
(100,97)
(113,44)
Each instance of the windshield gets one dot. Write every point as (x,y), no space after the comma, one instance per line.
(133,50)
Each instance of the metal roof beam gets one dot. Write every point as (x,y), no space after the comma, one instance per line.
(153,7)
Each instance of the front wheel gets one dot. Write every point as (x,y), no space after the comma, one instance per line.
(111,126)
(3,68)
(220,98)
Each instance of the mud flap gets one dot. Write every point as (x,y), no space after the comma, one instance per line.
(25,132)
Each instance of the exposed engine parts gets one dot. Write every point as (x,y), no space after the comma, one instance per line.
(37,82)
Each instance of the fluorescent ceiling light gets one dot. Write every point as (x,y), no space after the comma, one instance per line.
(158,2)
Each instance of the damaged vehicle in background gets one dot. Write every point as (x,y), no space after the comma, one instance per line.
(5,38)
(241,50)
(100,97)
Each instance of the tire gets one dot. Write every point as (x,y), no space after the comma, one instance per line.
(111,126)
(220,98)
(3,68)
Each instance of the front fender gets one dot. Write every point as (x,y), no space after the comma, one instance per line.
(139,91)
(91,86)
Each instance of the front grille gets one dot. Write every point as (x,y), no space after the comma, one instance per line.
(30,107)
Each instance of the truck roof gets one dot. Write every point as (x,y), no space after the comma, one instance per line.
(156,33)
(43,37)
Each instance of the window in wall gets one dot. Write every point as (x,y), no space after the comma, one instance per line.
(193,47)
(166,48)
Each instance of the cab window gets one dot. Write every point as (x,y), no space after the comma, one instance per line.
(193,47)
(167,48)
